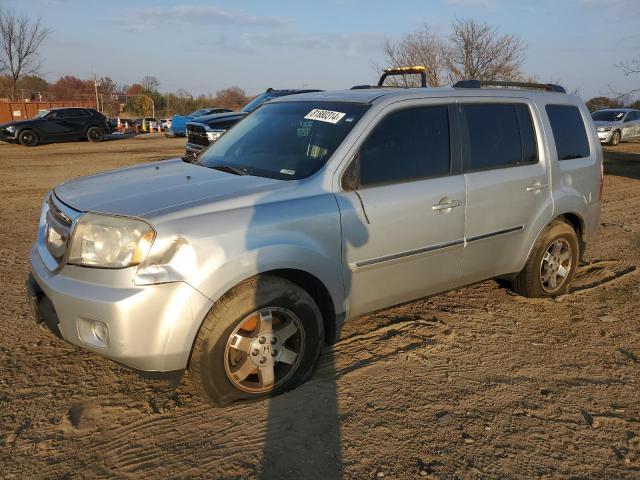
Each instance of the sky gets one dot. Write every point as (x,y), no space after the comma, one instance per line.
(204,46)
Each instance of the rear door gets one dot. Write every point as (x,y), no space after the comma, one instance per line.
(507,181)
(403,221)
(76,120)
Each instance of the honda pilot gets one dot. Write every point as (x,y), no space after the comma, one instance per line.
(314,210)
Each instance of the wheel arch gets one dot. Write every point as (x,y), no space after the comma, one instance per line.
(320,294)
(90,125)
(576,221)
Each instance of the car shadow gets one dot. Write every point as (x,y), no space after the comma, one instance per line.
(303,435)
(621,163)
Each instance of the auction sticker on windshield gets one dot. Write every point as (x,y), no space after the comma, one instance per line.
(328,116)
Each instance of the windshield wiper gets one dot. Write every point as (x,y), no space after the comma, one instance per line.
(234,170)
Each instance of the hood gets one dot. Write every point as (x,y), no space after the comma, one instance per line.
(220,118)
(600,123)
(141,190)
(17,123)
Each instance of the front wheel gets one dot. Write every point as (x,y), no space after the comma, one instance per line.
(262,338)
(615,138)
(552,265)
(95,134)
(28,138)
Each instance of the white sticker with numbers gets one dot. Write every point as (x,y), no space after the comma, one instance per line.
(328,116)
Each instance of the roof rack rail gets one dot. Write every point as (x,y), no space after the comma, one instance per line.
(549,87)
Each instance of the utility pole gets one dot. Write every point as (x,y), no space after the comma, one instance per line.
(95,85)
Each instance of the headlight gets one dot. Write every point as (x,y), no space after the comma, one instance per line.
(11,129)
(604,129)
(110,242)
(214,135)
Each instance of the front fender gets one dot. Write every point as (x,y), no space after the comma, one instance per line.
(232,271)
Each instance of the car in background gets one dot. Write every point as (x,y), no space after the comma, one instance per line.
(55,125)
(165,124)
(205,130)
(179,122)
(615,125)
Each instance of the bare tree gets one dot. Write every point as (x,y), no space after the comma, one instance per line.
(150,83)
(628,67)
(477,51)
(422,48)
(472,51)
(20,41)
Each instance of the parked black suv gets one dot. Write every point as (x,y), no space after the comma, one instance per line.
(205,130)
(57,124)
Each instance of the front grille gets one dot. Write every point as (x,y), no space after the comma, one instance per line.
(197,135)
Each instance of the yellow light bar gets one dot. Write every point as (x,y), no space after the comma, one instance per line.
(401,70)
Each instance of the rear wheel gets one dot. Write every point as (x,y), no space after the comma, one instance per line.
(28,138)
(95,134)
(615,138)
(262,338)
(552,265)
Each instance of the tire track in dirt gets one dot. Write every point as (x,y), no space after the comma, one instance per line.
(222,440)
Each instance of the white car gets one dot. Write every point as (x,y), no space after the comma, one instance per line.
(165,124)
(617,125)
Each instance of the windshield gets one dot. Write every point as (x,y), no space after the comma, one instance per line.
(607,116)
(199,113)
(256,102)
(42,113)
(287,141)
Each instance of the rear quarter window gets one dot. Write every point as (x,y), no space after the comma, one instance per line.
(569,132)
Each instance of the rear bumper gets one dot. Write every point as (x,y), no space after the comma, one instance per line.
(149,328)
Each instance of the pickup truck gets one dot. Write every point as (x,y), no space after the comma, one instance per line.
(178,122)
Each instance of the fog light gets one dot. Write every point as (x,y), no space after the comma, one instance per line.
(101,331)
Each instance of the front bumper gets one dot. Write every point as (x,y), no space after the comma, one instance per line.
(193,148)
(6,136)
(605,137)
(150,328)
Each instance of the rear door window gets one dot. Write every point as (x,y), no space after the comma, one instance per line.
(569,131)
(407,145)
(500,135)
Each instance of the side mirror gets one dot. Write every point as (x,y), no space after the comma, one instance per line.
(351,176)
(190,157)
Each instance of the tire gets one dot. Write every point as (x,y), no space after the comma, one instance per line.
(615,138)
(556,251)
(95,134)
(28,138)
(229,351)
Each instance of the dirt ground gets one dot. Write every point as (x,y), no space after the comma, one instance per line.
(477,383)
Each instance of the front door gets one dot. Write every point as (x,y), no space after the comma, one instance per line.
(403,217)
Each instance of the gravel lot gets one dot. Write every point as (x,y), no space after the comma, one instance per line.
(477,383)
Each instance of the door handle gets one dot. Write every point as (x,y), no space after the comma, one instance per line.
(445,204)
(536,186)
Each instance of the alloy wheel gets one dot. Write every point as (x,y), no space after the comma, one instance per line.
(556,265)
(264,350)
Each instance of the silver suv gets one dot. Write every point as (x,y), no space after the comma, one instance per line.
(316,209)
